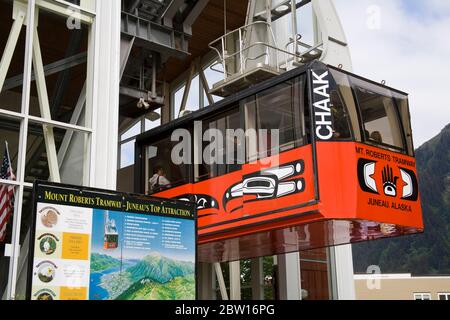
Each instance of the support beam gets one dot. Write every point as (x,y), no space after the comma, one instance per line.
(335,49)
(341,265)
(193,15)
(154,36)
(221,281)
(49,69)
(235,280)
(187,88)
(11,45)
(66,9)
(205,86)
(165,110)
(126,44)
(63,81)
(206,281)
(170,12)
(76,115)
(137,94)
(133,6)
(44,107)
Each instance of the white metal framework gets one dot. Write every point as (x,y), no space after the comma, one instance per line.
(96,97)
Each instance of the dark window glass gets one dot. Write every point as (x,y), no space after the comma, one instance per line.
(162,173)
(230,154)
(278,108)
(401,101)
(343,108)
(340,118)
(380,116)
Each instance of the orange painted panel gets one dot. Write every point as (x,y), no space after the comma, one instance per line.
(374,190)
(261,191)
(358,181)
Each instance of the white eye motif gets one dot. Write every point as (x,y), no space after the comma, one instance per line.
(201,203)
(390,190)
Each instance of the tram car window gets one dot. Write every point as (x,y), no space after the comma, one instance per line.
(279,108)
(161,172)
(232,147)
(340,117)
(344,110)
(380,115)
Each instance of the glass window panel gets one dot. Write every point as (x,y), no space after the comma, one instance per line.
(9,133)
(153,119)
(403,107)
(340,117)
(422,296)
(25,233)
(234,144)
(444,296)
(70,151)
(127,154)
(269,274)
(177,98)
(125,174)
(131,132)
(193,101)
(4,270)
(64,87)
(213,74)
(278,108)
(6,232)
(161,172)
(380,115)
(345,113)
(193,98)
(11,92)
(215,99)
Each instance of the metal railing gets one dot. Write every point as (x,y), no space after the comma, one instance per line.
(270,54)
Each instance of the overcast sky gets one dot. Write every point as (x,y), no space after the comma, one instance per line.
(406,43)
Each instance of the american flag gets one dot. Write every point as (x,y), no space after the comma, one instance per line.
(6,193)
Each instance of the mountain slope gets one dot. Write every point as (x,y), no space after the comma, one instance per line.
(427,253)
(160,269)
(101,262)
(179,288)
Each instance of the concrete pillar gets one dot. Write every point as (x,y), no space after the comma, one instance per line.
(206,281)
(289,280)
(103,93)
(235,280)
(341,265)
